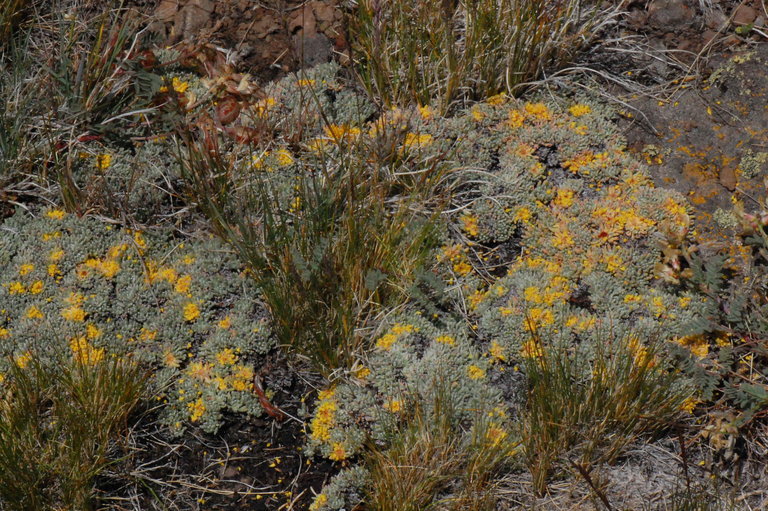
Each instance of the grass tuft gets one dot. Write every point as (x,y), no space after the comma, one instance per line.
(428,52)
(349,243)
(589,410)
(56,426)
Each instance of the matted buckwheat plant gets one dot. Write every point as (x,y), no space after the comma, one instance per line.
(93,291)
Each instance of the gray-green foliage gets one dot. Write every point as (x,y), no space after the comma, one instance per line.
(181,308)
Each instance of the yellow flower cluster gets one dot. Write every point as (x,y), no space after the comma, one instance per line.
(469,224)
(84,352)
(585,159)
(612,222)
(386,341)
(196,409)
(579,109)
(475,372)
(456,254)
(325,417)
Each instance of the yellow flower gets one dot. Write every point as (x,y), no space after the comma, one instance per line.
(200,370)
(538,317)
(305,83)
(182,284)
(53,270)
(191,312)
(242,372)
(225,323)
(516,118)
(498,99)
(426,112)
(393,405)
(109,268)
(320,501)
(326,394)
(400,329)
(4,332)
(147,334)
(495,435)
(341,132)
(469,224)
(16,288)
(579,109)
(284,157)
(446,339)
(475,372)
(497,352)
(84,352)
(226,357)
(167,274)
(56,255)
(522,214)
(324,420)
(26,268)
(103,161)
(33,313)
(23,360)
(241,385)
(564,198)
(477,113)
(538,110)
(74,313)
(386,341)
(92,331)
(462,268)
(337,452)
(177,84)
(417,140)
(55,214)
(196,410)
(689,404)
(169,359)
(562,238)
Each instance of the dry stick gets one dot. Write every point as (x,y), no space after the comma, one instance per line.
(592,485)
(684,456)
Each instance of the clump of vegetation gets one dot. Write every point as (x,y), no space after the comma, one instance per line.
(57,426)
(332,235)
(424,53)
(185,310)
(586,411)
(67,81)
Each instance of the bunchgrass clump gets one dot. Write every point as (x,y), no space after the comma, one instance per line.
(431,463)
(334,232)
(586,410)
(431,53)
(58,424)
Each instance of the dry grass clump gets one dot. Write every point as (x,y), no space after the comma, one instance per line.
(428,52)
(432,464)
(349,242)
(56,428)
(587,411)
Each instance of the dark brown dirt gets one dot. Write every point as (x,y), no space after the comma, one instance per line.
(254,464)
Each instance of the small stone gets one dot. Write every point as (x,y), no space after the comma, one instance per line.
(715,19)
(744,15)
(166,10)
(313,50)
(669,14)
(727,177)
